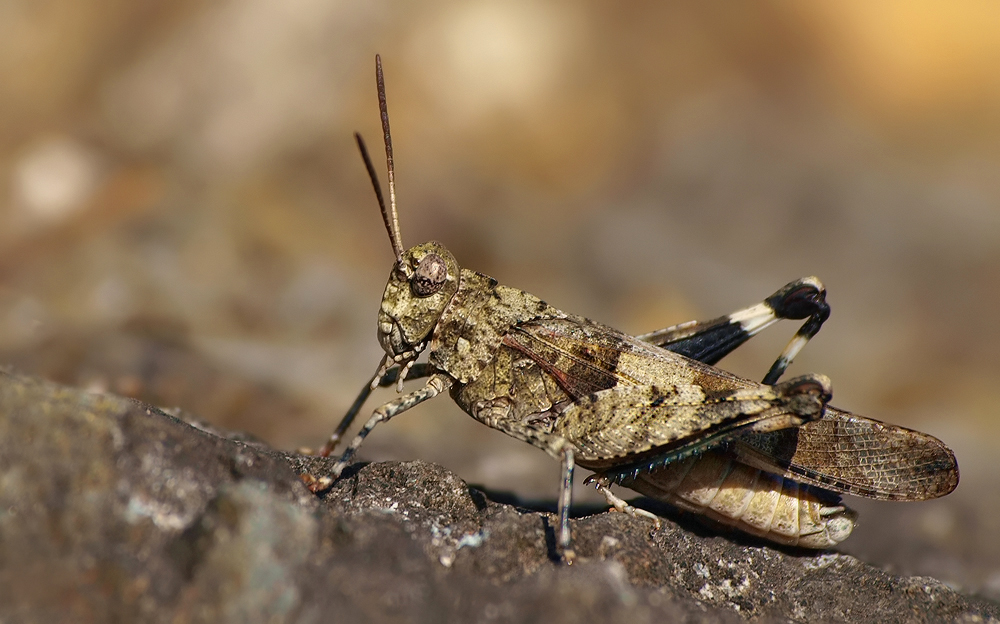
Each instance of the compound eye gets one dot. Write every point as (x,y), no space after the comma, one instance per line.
(430,276)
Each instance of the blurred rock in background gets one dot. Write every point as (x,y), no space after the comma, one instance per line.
(184,217)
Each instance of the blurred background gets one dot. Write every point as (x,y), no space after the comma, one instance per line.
(184,217)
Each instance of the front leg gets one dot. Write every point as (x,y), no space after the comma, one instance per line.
(435,385)
(392,376)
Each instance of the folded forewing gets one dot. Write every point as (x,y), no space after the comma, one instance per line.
(852,454)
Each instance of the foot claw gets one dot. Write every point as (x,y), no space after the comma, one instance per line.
(316,485)
(568,556)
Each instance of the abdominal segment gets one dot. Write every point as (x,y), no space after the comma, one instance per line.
(715,485)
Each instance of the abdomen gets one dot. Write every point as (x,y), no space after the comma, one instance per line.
(756,502)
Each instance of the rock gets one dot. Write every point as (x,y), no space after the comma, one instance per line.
(111,510)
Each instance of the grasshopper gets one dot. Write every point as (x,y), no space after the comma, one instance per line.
(650,412)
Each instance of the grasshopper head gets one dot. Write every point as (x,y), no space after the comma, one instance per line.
(420,287)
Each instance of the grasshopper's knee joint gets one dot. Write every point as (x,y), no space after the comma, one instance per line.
(437,383)
(800,299)
(812,385)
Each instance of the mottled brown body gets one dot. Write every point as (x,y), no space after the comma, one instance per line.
(583,392)
(648,412)
(550,378)
(535,388)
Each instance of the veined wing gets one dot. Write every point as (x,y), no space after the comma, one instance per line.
(851,454)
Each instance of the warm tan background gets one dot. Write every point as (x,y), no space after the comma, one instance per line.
(184,217)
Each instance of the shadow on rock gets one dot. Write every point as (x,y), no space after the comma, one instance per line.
(111,510)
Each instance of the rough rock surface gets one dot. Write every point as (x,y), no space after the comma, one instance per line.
(111,510)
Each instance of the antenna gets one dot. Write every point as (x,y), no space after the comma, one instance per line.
(391,225)
(391,222)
